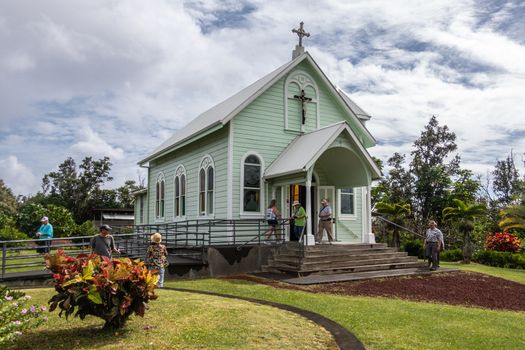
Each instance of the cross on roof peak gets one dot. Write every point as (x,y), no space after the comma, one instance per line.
(301,32)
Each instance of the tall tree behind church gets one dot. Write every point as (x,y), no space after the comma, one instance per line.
(74,188)
(507,185)
(433,165)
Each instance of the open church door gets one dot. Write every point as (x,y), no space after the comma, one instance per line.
(298,193)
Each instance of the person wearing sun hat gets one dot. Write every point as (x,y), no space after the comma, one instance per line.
(325,222)
(156,257)
(45,231)
(299,216)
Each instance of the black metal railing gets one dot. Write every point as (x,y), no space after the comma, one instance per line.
(22,256)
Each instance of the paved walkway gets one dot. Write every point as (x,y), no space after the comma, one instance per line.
(344,339)
(345,277)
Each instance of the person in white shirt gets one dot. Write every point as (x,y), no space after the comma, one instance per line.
(433,244)
(325,222)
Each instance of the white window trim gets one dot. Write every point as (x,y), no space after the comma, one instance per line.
(251,214)
(205,167)
(181,170)
(160,178)
(302,85)
(347,216)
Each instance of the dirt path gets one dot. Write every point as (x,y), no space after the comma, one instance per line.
(454,288)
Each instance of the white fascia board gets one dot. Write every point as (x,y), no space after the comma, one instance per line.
(212,128)
(339,98)
(264,88)
(363,150)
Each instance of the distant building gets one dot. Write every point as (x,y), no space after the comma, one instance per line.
(121,219)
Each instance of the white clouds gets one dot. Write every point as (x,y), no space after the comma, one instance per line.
(117,77)
(17,176)
(90,143)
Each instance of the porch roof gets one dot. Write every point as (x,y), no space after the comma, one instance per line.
(305,150)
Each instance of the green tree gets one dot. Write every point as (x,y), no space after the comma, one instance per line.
(7,200)
(73,188)
(397,213)
(507,185)
(124,194)
(396,187)
(464,214)
(431,170)
(513,217)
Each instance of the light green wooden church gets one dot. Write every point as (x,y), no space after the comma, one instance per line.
(291,135)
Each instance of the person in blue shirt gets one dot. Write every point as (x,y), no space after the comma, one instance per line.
(44,232)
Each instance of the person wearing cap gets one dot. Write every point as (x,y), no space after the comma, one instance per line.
(45,231)
(103,244)
(433,243)
(299,216)
(325,222)
(156,257)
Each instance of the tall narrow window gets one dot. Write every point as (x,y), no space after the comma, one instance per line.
(159,197)
(177,196)
(183,195)
(206,186)
(179,201)
(202,192)
(347,201)
(251,184)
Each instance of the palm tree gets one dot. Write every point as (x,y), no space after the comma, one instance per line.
(396,213)
(464,214)
(513,217)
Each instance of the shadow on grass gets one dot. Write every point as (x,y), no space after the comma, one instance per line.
(87,337)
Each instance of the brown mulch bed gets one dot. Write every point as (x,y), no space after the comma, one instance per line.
(454,288)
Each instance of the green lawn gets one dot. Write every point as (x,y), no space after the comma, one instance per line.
(190,321)
(182,321)
(386,323)
(510,274)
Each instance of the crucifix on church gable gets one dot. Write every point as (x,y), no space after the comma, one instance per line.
(304,100)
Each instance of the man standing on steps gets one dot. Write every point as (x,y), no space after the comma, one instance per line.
(325,222)
(433,242)
(103,244)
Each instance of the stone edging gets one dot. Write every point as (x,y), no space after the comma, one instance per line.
(344,339)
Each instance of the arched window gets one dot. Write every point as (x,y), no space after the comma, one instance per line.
(159,196)
(301,103)
(179,206)
(251,184)
(206,186)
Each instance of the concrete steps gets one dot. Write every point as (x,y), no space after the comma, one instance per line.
(293,259)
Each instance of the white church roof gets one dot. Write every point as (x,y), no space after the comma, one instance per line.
(306,149)
(221,113)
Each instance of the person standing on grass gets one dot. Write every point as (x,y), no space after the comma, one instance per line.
(44,232)
(272,214)
(433,244)
(157,257)
(103,244)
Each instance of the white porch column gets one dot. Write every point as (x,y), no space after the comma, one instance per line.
(308,238)
(370,237)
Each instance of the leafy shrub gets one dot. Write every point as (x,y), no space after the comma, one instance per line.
(500,259)
(503,242)
(110,289)
(9,233)
(87,228)
(414,248)
(16,315)
(451,255)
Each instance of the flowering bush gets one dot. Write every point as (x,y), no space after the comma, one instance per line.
(110,289)
(503,242)
(17,315)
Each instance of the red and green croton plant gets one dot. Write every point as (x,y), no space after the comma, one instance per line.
(92,285)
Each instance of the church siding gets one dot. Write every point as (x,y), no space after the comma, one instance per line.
(215,145)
